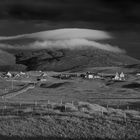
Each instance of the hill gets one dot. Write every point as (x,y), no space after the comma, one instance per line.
(66,59)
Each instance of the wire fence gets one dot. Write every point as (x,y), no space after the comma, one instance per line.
(37,108)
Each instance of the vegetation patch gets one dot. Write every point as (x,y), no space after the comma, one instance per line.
(55,85)
(132,85)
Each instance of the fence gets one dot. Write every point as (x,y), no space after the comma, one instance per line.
(38,109)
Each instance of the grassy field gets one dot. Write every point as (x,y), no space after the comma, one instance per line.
(80,120)
(71,109)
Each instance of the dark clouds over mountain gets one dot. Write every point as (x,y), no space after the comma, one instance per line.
(85,10)
(120,17)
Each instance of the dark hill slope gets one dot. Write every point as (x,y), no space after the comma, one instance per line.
(65,59)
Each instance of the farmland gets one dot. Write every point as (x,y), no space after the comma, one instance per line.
(71,108)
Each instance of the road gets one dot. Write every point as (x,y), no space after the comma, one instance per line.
(16,92)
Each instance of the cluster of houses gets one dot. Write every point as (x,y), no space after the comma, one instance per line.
(117,77)
(42,76)
(92,75)
(12,75)
(65,76)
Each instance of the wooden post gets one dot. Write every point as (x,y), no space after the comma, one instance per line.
(128,107)
(107,106)
(20,104)
(72,103)
(124,117)
(61,102)
(17,112)
(35,103)
(102,112)
(48,102)
(118,106)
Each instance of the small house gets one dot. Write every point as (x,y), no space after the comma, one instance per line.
(9,74)
(119,77)
(122,76)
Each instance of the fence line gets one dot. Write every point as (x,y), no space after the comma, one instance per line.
(19,106)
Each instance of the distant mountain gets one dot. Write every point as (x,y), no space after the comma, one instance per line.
(69,49)
(66,59)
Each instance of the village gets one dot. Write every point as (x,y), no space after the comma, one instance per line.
(42,76)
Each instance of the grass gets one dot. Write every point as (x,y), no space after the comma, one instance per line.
(79,120)
(47,111)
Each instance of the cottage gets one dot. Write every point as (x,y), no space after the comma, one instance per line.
(122,76)
(138,74)
(22,73)
(9,74)
(119,77)
(45,74)
(90,76)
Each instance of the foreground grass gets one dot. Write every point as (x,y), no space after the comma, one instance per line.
(81,121)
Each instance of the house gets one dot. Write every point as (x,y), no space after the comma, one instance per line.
(44,74)
(97,77)
(119,77)
(122,76)
(138,74)
(89,76)
(17,75)
(9,74)
(22,73)
(43,80)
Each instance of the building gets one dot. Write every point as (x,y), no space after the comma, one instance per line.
(9,74)
(122,76)
(119,77)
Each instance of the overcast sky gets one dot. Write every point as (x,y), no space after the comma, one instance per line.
(86,10)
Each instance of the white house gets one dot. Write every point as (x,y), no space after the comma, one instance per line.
(45,74)
(9,74)
(119,77)
(122,76)
(22,73)
(138,74)
(89,76)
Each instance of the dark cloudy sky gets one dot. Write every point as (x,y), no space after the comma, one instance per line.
(87,10)
(49,14)
(122,17)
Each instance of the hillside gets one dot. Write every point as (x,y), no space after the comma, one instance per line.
(66,59)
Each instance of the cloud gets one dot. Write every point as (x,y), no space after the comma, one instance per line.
(64,38)
(62,34)
(74,44)
(64,44)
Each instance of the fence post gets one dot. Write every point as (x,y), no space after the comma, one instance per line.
(128,107)
(35,103)
(124,117)
(61,102)
(107,106)
(48,102)
(102,112)
(118,106)
(20,104)
(72,103)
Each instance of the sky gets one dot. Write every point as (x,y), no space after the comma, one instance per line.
(121,18)
(87,10)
